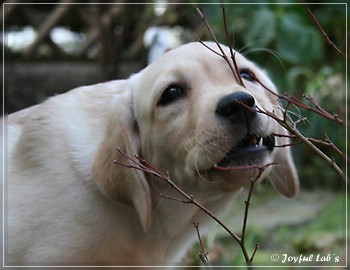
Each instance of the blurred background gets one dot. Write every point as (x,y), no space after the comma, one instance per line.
(50,48)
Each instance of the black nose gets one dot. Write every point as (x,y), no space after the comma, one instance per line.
(231,107)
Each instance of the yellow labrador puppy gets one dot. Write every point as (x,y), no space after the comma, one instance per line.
(69,203)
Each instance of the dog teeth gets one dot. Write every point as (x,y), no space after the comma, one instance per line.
(256,141)
(259,142)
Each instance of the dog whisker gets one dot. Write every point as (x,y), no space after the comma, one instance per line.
(272,52)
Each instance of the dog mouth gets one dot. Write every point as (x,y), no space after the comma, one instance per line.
(249,150)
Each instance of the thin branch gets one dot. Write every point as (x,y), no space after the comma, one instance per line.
(203,255)
(233,57)
(299,103)
(247,201)
(324,34)
(205,45)
(144,165)
(288,144)
(254,252)
(261,170)
(223,54)
(293,129)
(239,168)
(327,142)
(173,198)
(318,109)
(204,18)
(233,54)
(306,141)
(147,167)
(228,38)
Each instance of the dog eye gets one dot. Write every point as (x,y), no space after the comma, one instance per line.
(247,75)
(171,94)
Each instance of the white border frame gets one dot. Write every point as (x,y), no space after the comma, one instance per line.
(4,133)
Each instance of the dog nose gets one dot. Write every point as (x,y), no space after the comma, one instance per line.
(235,107)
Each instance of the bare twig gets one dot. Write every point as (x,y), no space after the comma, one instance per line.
(306,141)
(254,252)
(261,170)
(299,103)
(232,65)
(325,142)
(239,168)
(233,55)
(324,34)
(203,255)
(174,198)
(145,166)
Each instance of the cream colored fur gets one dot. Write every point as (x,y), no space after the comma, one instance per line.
(69,203)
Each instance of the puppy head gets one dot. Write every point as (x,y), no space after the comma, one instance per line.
(184,114)
(189,119)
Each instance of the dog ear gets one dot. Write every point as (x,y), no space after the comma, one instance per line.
(118,183)
(283,175)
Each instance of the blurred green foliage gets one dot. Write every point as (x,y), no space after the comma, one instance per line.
(323,235)
(284,40)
